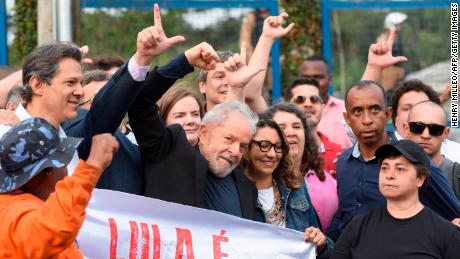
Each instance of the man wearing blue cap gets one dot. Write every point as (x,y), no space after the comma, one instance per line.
(41,209)
(404,228)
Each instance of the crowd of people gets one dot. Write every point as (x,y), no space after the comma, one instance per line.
(314,163)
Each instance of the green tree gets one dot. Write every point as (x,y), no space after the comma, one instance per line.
(25,35)
(304,40)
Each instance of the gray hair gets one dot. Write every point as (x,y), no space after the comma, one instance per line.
(219,114)
(14,96)
(97,75)
(43,62)
(223,56)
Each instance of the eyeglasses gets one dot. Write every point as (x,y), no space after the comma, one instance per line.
(434,129)
(265,146)
(314,99)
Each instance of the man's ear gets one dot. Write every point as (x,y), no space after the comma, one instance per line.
(37,85)
(405,129)
(202,87)
(10,106)
(345,117)
(203,133)
(445,135)
(388,113)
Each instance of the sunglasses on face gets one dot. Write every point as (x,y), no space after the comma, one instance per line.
(434,129)
(314,99)
(265,146)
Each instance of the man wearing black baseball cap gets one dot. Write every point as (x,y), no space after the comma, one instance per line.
(404,228)
(42,210)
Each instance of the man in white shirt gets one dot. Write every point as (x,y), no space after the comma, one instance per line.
(52,78)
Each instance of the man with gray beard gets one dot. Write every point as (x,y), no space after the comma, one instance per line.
(204,175)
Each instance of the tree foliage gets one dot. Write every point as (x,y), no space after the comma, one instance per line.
(304,40)
(25,35)
(425,38)
(116,35)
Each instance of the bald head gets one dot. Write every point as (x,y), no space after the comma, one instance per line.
(426,125)
(430,110)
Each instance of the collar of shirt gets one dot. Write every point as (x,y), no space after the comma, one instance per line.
(22,114)
(324,142)
(332,101)
(397,136)
(357,154)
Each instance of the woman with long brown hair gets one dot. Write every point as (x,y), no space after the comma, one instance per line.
(283,199)
(308,163)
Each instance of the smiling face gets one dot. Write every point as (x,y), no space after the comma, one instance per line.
(264,163)
(186,112)
(398,178)
(294,131)
(61,97)
(313,111)
(366,114)
(215,87)
(224,144)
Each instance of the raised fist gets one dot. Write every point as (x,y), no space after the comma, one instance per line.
(202,56)
(103,147)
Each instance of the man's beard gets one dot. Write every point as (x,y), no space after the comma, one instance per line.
(222,172)
(312,123)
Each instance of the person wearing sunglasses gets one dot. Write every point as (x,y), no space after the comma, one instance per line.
(283,198)
(426,126)
(304,93)
(332,124)
(408,94)
(358,168)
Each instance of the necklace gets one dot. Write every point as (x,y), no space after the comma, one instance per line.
(276,214)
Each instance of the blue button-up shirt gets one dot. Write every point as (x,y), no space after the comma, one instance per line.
(358,190)
(357,187)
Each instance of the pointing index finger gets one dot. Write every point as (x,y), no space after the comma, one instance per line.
(243,52)
(392,37)
(156,15)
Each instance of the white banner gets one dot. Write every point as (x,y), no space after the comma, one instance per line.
(121,225)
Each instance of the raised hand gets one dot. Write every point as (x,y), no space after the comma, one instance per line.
(273,26)
(84,51)
(202,56)
(103,147)
(238,73)
(152,41)
(380,54)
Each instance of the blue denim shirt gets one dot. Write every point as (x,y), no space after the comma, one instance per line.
(299,212)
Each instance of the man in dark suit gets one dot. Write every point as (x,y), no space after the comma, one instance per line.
(205,175)
(110,104)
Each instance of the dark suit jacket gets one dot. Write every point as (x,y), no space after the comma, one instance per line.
(126,172)
(175,171)
(108,109)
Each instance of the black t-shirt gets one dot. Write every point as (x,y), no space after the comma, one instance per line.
(220,194)
(379,235)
